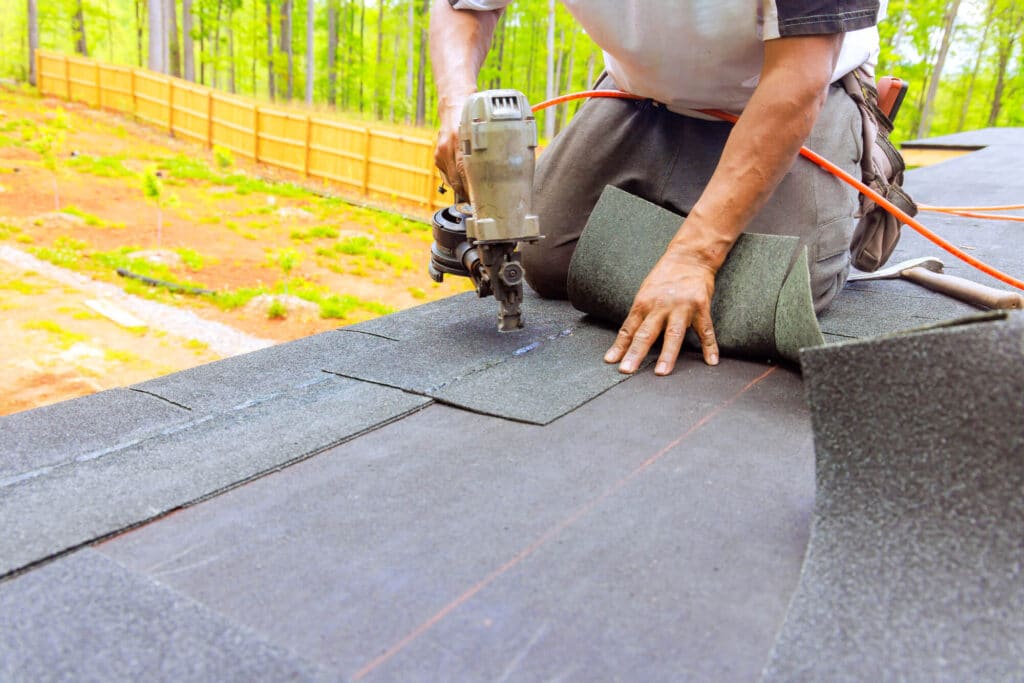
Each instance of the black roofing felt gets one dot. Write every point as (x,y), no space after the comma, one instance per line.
(87,618)
(914,565)
(654,531)
(83,499)
(673,525)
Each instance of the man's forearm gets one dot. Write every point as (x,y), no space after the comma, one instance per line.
(458,46)
(761,148)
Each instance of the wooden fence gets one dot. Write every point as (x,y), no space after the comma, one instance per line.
(377,163)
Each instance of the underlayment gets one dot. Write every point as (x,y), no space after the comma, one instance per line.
(453,352)
(611,545)
(914,570)
(762,306)
(87,618)
(100,492)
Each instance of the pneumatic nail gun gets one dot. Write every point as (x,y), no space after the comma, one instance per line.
(480,238)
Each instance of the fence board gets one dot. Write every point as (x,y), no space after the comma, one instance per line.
(378,163)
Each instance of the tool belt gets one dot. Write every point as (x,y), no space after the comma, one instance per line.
(882,168)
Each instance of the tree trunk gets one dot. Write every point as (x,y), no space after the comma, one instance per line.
(78,28)
(549,86)
(140,18)
(231,49)
(1009,24)
(500,39)
(421,71)
(362,51)
(924,127)
(157,37)
(378,108)
(173,46)
(286,46)
(394,78)
(974,69)
(188,53)
(270,50)
(410,68)
(332,52)
(309,52)
(997,95)
(216,46)
(33,40)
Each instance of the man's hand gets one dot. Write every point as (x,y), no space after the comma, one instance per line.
(761,147)
(448,153)
(675,296)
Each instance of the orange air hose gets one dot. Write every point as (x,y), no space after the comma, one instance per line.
(824,163)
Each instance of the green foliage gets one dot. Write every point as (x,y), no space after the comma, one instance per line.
(192,259)
(64,338)
(151,185)
(286,259)
(317,231)
(222,155)
(105,167)
(276,310)
(66,252)
(90,219)
(7,230)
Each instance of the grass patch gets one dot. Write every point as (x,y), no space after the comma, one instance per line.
(104,167)
(277,310)
(332,306)
(120,356)
(64,338)
(7,230)
(90,220)
(192,259)
(66,252)
(22,287)
(181,168)
(417,293)
(316,232)
(366,247)
(196,345)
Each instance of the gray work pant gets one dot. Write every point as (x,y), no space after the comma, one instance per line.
(667,159)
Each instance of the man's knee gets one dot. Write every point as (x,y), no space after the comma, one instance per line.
(547,268)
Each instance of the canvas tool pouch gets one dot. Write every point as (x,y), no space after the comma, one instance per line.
(882,167)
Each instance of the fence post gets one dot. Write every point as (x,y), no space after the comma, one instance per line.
(209,118)
(67,79)
(366,163)
(170,106)
(431,188)
(131,87)
(256,133)
(309,141)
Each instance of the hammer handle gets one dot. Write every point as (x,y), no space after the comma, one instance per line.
(964,290)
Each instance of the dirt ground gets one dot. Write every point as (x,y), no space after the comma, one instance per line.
(283,262)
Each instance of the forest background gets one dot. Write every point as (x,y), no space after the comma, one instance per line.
(369,58)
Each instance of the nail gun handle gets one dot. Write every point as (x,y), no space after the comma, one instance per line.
(964,290)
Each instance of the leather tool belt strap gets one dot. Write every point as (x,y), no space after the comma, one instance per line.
(882,168)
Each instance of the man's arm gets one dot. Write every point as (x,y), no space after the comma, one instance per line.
(677,293)
(459,41)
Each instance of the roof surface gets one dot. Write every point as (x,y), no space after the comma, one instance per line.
(422,498)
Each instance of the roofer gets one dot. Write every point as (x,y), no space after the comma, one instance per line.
(776,62)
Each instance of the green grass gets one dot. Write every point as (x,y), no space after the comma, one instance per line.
(333,306)
(316,232)
(104,167)
(122,258)
(7,230)
(276,310)
(192,259)
(90,220)
(22,287)
(66,252)
(64,338)
(181,168)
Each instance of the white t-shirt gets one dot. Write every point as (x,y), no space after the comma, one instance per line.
(707,54)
